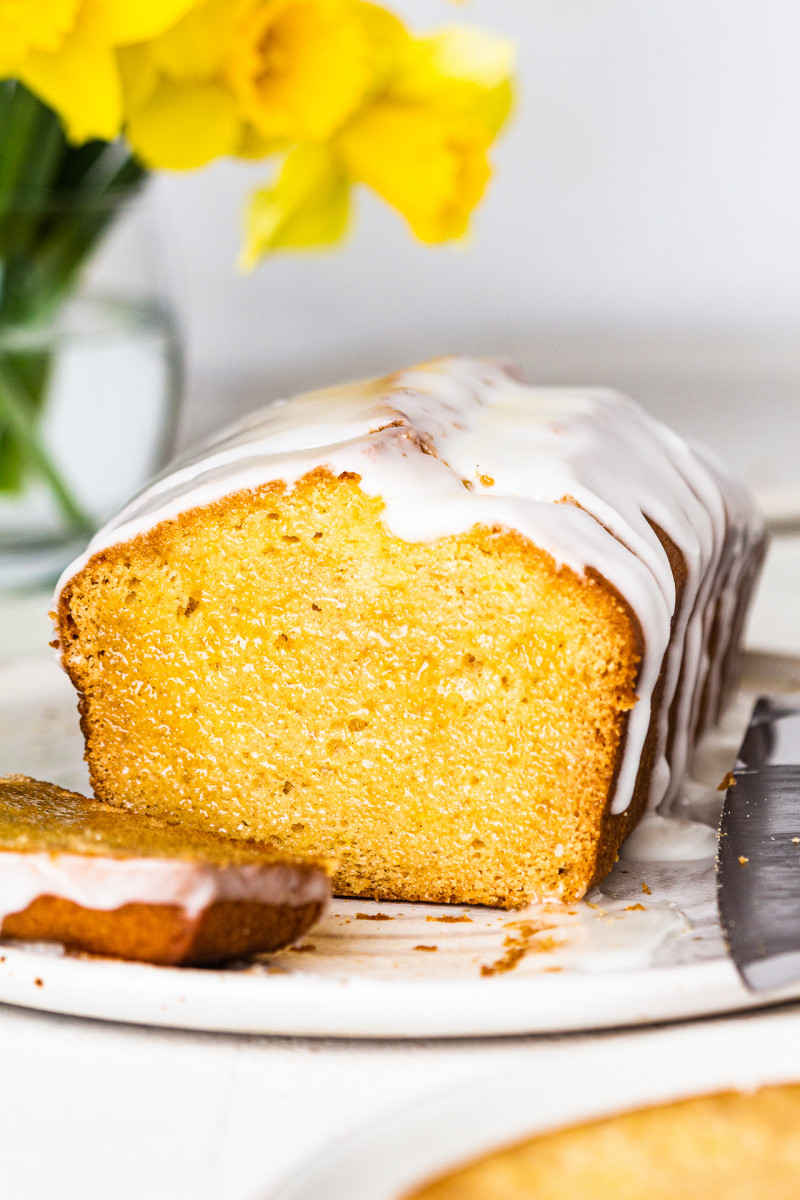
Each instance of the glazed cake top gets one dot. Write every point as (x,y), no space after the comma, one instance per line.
(459,442)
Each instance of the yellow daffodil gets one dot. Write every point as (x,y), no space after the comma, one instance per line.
(281,72)
(421,141)
(300,68)
(339,87)
(64,50)
(432,167)
(461,71)
(423,145)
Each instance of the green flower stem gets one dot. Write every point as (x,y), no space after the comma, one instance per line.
(56,202)
(19,413)
(26,125)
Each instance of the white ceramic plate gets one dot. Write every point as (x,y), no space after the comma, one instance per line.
(648,947)
(578,1082)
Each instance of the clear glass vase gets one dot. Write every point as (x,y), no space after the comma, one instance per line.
(89,383)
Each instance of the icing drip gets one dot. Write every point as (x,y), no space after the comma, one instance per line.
(669,839)
(108,883)
(461,442)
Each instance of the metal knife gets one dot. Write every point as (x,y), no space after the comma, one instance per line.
(758,859)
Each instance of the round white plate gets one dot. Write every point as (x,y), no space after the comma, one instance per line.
(647,947)
(579,1082)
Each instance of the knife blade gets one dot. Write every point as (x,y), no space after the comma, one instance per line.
(758,857)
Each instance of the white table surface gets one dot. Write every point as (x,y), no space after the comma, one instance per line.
(91,1110)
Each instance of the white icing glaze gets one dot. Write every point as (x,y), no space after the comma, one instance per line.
(457,443)
(108,883)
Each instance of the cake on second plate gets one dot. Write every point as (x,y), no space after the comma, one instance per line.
(455,631)
(725,1147)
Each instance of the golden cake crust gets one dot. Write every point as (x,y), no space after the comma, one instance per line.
(163,934)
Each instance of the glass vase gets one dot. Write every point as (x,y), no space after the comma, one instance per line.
(89,380)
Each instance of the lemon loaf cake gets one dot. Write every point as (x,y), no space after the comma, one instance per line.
(79,872)
(453,630)
(731,1146)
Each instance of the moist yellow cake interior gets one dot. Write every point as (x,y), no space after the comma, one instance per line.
(443,718)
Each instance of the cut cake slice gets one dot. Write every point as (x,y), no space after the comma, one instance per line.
(79,872)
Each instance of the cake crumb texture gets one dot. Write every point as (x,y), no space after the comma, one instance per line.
(443,718)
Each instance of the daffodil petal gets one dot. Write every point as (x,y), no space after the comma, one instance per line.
(389,38)
(27,25)
(139,74)
(383,27)
(463,71)
(308,205)
(430,166)
(475,55)
(81,82)
(138,20)
(184,125)
(253,146)
(195,48)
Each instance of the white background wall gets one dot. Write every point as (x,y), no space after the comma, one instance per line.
(650,184)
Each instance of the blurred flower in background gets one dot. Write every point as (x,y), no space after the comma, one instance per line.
(343,92)
(339,90)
